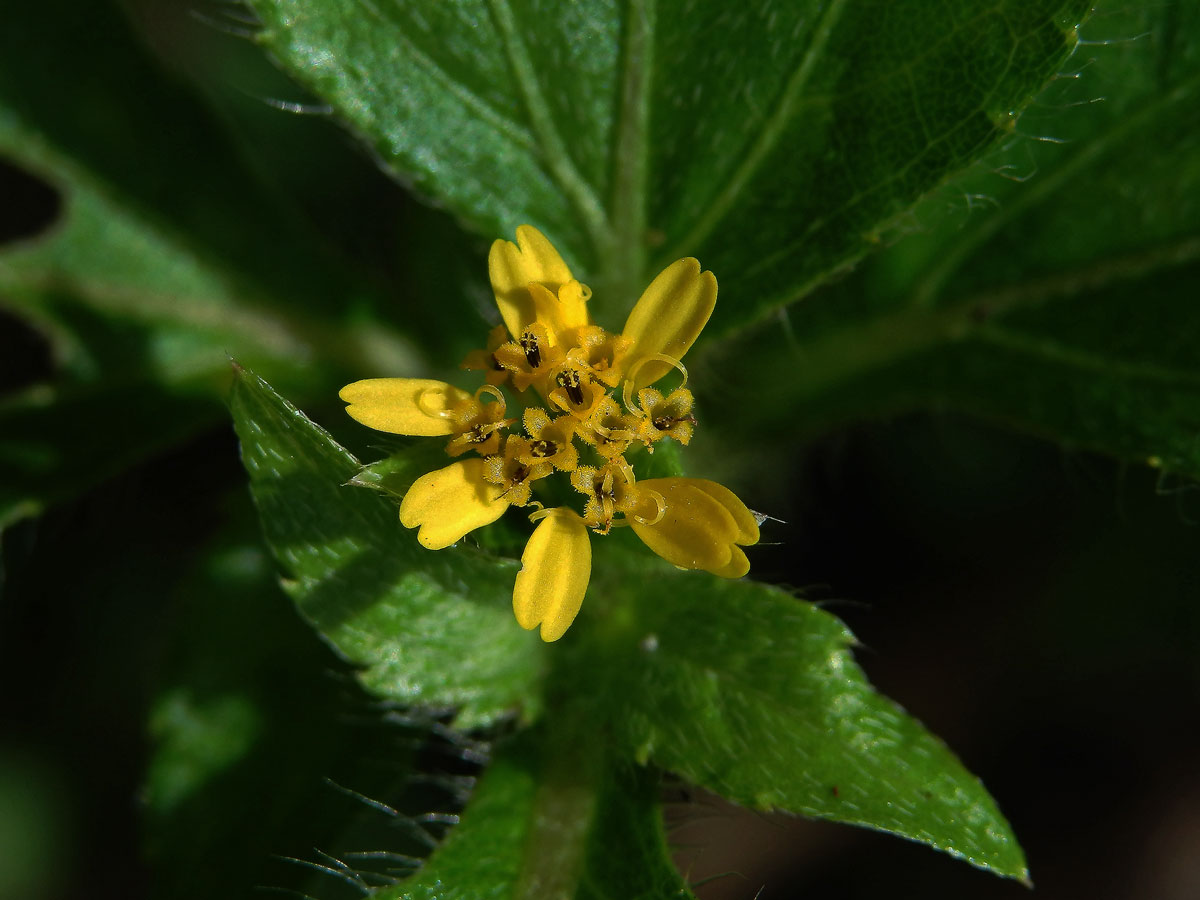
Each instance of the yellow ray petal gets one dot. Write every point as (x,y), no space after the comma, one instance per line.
(746,523)
(695,531)
(555,569)
(668,318)
(737,566)
(414,406)
(448,503)
(512,267)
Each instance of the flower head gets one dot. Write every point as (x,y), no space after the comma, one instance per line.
(581,390)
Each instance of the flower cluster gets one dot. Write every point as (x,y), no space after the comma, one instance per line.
(589,405)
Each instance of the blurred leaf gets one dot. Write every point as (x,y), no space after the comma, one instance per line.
(254,729)
(1062,303)
(54,443)
(778,144)
(431,629)
(167,257)
(157,153)
(560,831)
(753,694)
(31,827)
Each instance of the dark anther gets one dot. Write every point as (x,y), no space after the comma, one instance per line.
(533,353)
(477,435)
(520,473)
(496,364)
(569,380)
(664,423)
(542,449)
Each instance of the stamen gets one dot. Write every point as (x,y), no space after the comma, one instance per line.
(542,449)
(661,502)
(568,379)
(626,469)
(495,392)
(533,353)
(627,388)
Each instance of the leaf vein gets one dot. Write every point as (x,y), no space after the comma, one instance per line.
(553,147)
(513,130)
(1056,351)
(767,137)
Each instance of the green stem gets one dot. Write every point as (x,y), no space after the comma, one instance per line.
(563,810)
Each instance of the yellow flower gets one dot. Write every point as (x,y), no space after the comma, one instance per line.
(609,430)
(516,470)
(609,490)
(656,417)
(590,385)
(550,439)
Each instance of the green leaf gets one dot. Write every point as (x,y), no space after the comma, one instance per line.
(1061,304)
(569,827)
(481,857)
(753,694)
(777,144)
(430,628)
(141,332)
(137,154)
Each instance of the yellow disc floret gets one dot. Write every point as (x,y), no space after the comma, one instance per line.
(592,393)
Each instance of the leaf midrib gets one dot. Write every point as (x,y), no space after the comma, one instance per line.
(767,138)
